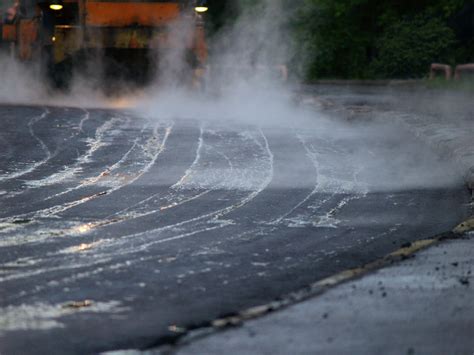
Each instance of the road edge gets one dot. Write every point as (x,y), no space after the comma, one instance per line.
(461,231)
(186,336)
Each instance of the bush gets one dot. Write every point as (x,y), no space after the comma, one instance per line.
(332,39)
(408,47)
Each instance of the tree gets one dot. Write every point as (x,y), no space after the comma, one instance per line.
(408,46)
(366,38)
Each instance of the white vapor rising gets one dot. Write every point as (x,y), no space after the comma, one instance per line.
(19,83)
(244,87)
(244,80)
(22,83)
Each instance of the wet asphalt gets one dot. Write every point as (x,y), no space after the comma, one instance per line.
(421,305)
(119,230)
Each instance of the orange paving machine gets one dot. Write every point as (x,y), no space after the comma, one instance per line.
(118,38)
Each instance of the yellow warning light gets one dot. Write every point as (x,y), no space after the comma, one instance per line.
(53,39)
(56,7)
(201,9)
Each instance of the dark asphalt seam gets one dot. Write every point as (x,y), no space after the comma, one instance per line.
(179,337)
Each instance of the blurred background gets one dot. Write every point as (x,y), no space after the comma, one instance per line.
(365,39)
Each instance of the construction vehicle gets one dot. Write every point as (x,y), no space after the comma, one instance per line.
(124,39)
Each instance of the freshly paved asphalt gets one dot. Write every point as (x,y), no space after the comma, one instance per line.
(422,305)
(168,224)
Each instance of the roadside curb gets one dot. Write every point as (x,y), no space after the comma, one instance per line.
(325,284)
(183,336)
(448,147)
(465,227)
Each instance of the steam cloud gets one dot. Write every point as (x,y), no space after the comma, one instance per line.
(243,86)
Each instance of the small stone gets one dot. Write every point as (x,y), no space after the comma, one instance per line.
(78,304)
(175,329)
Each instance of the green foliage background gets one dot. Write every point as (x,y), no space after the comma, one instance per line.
(367,39)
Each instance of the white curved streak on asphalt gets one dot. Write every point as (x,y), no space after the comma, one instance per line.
(334,185)
(43,146)
(212,217)
(55,210)
(94,146)
(69,171)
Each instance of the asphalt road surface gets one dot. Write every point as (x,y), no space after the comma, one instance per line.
(117,230)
